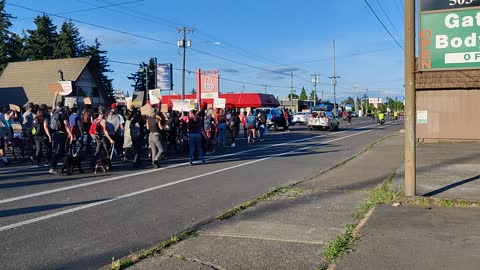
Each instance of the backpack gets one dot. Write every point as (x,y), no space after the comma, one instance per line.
(134,130)
(55,122)
(38,129)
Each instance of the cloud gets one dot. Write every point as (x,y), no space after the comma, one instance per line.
(284,70)
(230,70)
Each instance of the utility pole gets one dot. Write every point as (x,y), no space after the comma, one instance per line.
(334,82)
(265,87)
(322,95)
(243,88)
(291,90)
(315,81)
(184,43)
(410,100)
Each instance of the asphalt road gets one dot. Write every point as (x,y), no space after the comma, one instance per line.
(83,221)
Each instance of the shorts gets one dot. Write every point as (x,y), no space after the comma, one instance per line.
(2,143)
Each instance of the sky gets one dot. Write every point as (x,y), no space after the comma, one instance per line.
(250,42)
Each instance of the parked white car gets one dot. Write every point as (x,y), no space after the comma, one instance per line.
(301,118)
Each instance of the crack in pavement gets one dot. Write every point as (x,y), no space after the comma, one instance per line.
(195,260)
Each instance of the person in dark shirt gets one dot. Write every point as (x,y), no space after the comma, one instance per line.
(194,136)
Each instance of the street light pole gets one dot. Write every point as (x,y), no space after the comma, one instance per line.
(334,82)
(291,91)
(315,81)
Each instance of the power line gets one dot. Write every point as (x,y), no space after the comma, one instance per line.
(88,9)
(388,31)
(388,18)
(174,25)
(220,77)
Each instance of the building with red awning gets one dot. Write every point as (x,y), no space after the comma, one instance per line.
(233,100)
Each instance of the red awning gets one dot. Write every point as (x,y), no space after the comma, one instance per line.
(234,100)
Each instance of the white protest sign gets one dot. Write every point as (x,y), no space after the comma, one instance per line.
(155,96)
(219,103)
(181,105)
(70,102)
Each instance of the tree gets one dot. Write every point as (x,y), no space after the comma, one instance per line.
(314,96)
(15,48)
(5,35)
(69,43)
(40,43)
(349,100)
(138,77)
(100,61)
(303,94)
(194,91)
(294,96)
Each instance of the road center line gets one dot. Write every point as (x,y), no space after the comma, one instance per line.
(90,205)
(37,194)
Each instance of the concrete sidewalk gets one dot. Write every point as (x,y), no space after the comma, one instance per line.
(446,170)
(427,237)
(290,230)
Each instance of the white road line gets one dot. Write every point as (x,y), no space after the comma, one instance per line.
(64,212)
(37,194)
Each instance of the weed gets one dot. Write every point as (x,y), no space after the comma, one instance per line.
(138,256)
(341,245)
(428,201)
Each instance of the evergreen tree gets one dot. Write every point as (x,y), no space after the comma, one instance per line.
(138,77)
(303,94)
(194,91)
(15,48)
(69,43)
(100,61)
(5,35)
(294,96)
(40,43)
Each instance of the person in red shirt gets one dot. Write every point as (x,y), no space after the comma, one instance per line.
(244,124)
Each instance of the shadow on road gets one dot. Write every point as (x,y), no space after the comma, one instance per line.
(41,208)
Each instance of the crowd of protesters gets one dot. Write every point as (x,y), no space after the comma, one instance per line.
(47,135)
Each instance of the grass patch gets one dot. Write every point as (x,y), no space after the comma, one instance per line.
(290,189)
(441,202)
(341,245)
(143,254)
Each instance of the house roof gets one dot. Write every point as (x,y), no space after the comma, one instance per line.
(22,82)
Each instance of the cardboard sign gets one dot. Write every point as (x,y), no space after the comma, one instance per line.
(219,103)
(181,105)
(155,96)
(67,88)
(164,108)
(87,101)
(145,110)
(54,88)
(14,107)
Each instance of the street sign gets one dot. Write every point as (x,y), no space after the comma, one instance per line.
(449,36)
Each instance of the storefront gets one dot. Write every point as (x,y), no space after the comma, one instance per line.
(232,100)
